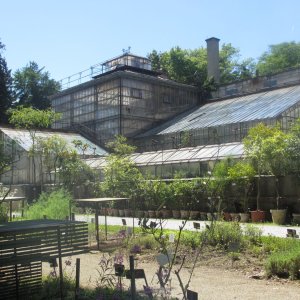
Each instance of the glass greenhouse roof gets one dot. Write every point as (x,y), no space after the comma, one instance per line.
(22,137)
(253,107)
(175,156)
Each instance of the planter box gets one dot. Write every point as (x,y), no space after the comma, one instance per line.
(235,217)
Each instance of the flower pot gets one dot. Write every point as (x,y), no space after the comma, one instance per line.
(209,216)
(109,211)
(278,216)
(227,216)
(203,216)
(128,212)
(296,218)
(258,216)
(194,214)
(152,213)
(159,214)
(244,217)
(176,214)
(121,213)
(184,214)
(235,217)
(139,213)
(115,212)
(166,213)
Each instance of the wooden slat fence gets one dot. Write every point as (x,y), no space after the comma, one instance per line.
(25,244)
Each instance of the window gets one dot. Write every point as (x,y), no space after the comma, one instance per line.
(136,93)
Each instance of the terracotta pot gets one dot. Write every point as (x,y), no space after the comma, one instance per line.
(128,212)
(244,217)
(235,217)
(278,216)
(176,214)
(194,214)
(121,213)
(227,216)
(152,213)
(184,214)
(258,216)
(159,214)
(166,213)
(109,211)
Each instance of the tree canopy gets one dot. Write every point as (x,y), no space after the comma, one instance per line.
(278,58)
(190,66)
(33,86)
(6,86)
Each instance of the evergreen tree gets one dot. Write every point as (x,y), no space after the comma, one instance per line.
(6,91)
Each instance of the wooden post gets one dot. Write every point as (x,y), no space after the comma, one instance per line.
(97,227)
(105,216)
(10,210)
(77,278)
(73,217)
(61,282)
(133,288)
(23,205)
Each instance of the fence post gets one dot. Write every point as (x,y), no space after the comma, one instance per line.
(77,278)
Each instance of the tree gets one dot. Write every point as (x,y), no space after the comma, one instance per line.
(190,66)
(6,87)
(33,86)
(254,145)
(278,58)
(122,177)
(276,156)
(293,148)
(32,120)
(53,150)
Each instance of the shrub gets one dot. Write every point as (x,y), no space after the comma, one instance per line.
(253,234)
(223,234)
(54,205)
(284,263)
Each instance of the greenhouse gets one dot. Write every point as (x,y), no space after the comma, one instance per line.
(225,121)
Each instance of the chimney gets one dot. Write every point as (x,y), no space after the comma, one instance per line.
(213,69)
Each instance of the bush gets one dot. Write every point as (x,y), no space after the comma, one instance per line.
(54,205)
(284,263)
(223,234)
(253,234)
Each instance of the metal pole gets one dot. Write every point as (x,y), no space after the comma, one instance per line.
(132,274)
(61,282)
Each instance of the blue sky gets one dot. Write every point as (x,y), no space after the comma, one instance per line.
(68,36)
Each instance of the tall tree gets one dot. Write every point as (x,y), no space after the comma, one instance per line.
(279,57)
(33,86)
(6,91)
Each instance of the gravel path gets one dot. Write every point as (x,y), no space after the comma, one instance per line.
(279,231)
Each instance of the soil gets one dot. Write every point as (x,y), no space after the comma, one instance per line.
(216,276)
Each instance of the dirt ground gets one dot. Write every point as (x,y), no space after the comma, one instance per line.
(216,275)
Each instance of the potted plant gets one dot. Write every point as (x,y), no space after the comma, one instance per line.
(277,164)
(241,176)
(254,145)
